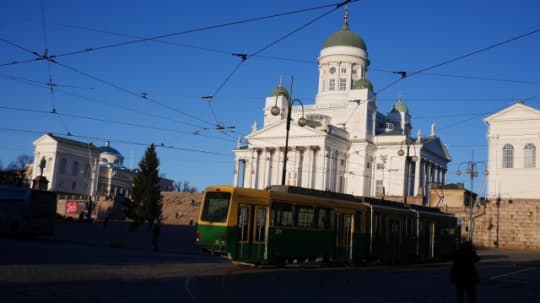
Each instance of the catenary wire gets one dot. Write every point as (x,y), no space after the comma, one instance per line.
(405,75)
(194,30)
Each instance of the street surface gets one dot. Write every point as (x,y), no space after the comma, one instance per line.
(118,268)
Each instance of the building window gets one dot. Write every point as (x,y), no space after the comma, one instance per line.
(63,164)
(87,170)
(342,83)
(73,185)
(508,156)
(75,168)
(343,70)
(529,153)
(332,84)
(379,188)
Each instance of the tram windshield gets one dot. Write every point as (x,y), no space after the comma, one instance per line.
(216,206)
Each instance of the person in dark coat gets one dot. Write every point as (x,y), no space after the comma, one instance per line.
(463,273)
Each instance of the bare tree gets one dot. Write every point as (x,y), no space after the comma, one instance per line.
(20,163)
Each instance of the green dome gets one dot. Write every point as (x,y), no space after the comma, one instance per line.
(399,107)
(361,84)
(280,90)
(345,37)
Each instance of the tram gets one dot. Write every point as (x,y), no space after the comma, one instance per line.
(287,225)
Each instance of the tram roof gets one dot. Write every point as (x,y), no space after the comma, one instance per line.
(347,197)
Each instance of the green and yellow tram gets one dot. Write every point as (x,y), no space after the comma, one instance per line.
(287,224)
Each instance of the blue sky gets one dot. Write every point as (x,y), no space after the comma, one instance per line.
(98,94)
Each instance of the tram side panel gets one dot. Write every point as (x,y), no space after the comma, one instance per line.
(300,232)
(362,236)
(394,239)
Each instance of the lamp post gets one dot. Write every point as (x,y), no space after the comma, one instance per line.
(408,160)
(472,171)
(302,122)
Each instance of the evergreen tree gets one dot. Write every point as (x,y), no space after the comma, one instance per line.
(146,190)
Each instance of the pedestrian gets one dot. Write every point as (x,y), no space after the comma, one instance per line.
(155,236)
(81,216)
(463,273)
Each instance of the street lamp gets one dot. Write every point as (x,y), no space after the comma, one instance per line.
(472,171)
(302,122)
(408,160)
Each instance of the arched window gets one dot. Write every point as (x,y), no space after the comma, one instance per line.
(529,156)
(63,164)
(508,156)
(75,168)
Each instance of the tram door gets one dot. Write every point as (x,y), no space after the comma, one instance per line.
(251,232)
(244,231)
(344,224)
(394,233)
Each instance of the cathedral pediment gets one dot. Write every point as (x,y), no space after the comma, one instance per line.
(278,130)
(434,146)
(517,111)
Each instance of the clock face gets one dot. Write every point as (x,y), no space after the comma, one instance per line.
(332,70)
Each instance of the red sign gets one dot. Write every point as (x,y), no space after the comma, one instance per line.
(72,207)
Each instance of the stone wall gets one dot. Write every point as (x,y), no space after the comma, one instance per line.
(513,224)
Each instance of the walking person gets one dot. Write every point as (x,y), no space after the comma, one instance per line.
(463,273)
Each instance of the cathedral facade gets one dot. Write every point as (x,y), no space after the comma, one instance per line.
(346,144)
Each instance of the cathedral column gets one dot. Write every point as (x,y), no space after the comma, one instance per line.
(327,169)
(315,180)
(417,178)
(300,165)
(269,158)
(236,172)
(257,171)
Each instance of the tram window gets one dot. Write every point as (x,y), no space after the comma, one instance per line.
(305,216)
(216,206)
(378,223)
(358,222)
(323,218)
(243,223)
(282,215)
(260,218)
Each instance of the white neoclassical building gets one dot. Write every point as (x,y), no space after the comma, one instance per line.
(74,167)
(513,137)
(347,145)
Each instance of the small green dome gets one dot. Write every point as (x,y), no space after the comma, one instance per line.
(399,107)
(361,84)
(280,90)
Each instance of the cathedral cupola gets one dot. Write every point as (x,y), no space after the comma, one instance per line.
(345,37)
(343,64)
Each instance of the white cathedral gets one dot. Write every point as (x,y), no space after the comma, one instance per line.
(346,145)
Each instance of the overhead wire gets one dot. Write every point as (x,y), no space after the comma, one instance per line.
(194,30)
(406,74)
(128,142)
(245,57)
(86,117)
(45,55)
(142,95)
